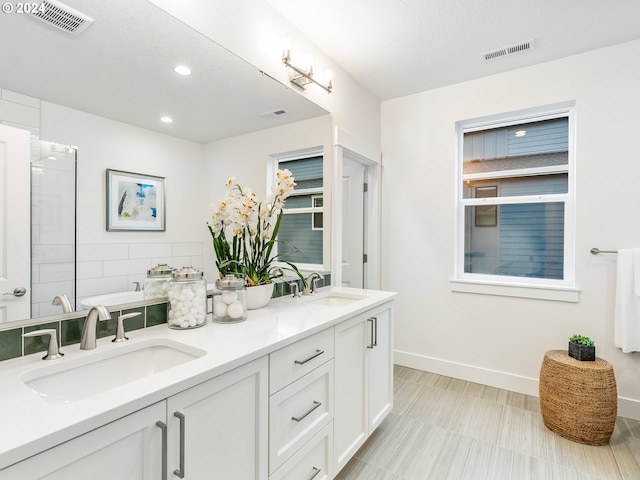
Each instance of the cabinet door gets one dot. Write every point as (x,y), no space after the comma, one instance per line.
(127,449)
(380,367)
(224,426)
(351,375)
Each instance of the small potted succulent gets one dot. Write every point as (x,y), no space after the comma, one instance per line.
(582,348)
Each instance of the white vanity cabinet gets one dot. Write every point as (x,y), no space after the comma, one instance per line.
(127,449)
(301,408)
(363,379)
(222,429)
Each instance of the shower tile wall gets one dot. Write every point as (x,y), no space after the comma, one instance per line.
(114,267)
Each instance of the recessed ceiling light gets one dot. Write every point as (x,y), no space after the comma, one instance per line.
(520,133)
(166,119)
(182,70)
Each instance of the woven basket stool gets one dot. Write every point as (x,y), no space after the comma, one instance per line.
(578,400)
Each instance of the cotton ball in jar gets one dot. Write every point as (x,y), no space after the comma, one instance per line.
(220,309)
(235,310)
(229,297)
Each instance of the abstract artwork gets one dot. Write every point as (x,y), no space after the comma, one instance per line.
(135,202)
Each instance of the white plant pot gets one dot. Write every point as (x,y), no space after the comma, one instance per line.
(259,296)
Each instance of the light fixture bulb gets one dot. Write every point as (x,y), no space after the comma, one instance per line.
(166,119)
(521,133)
(182,70)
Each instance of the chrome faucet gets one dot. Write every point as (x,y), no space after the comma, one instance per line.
(62,301)
(311,283)
(88,339)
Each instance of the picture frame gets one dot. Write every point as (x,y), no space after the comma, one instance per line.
(135,202)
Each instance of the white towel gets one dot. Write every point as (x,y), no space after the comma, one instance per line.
(626,330)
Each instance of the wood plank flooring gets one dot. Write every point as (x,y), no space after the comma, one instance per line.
(447,429)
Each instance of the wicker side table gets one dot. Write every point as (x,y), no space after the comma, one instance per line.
(578,400)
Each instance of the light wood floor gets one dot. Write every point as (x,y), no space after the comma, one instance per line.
(442,428)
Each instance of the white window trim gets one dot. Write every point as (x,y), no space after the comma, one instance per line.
(273,166)
(548,289)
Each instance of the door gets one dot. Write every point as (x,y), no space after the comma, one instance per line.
(380,367)
(353,216)
(15,221)
(220,426)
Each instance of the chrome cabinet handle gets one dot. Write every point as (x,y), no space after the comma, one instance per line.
(371,345)
(305,414)
(17,292)
(302,362)
(163,427)
(315,473)
(179,472)
(375,331)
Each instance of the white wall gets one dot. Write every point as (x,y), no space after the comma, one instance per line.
(498,340)
(247,157)
(110,261)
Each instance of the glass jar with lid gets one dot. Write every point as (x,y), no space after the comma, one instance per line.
(230,300)
(156,285)
(187,299)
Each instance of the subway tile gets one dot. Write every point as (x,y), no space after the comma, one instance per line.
(88,269)
(126,267)
(149,250)
(56,272)
(97,251)
(10,343)
(186,249)
(87,287)
(44,292)
(156,314)
(72,330)
(105,328)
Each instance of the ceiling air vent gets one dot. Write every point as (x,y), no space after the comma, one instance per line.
(63,17)
(276,113)
(509,50)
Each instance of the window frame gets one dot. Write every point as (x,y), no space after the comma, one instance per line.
(279,162)
(483,283)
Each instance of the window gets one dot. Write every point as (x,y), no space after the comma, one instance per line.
(515,199)
(301,229)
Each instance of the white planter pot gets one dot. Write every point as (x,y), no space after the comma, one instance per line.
(259,296)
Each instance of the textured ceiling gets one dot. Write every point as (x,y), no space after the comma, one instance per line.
(399,47)
(121,67)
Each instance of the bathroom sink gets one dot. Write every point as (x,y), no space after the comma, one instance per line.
(336,299)
(81,378)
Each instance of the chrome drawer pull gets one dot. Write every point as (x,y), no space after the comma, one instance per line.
(315,473)
(179,472)
(302,417)
(302,362)
(372,344)
(163,427)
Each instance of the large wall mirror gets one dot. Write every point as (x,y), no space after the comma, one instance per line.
(121,68)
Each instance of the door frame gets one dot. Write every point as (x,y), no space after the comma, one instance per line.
(373,209)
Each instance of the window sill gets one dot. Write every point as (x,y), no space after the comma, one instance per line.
(558,294)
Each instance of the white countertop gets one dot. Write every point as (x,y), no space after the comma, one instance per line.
(30,423)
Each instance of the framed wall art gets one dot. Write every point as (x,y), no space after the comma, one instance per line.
(135,202)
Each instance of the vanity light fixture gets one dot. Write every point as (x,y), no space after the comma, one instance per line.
(302,77)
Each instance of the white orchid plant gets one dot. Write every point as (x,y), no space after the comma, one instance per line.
(245,230)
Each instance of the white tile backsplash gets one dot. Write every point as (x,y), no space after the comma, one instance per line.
(102,251)
(126,267)
(186,249)
(55,272)
(88,270)
(149,250)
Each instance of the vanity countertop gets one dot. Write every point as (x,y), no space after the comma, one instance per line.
(30,423)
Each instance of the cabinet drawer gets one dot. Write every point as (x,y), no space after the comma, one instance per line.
(298,412)
(294,361)
(313,461)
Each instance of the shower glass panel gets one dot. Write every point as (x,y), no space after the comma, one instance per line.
(53,225)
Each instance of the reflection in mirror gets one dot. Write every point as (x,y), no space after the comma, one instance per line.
(121,68)
(53,227)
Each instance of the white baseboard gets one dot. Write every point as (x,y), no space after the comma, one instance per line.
(627,407)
